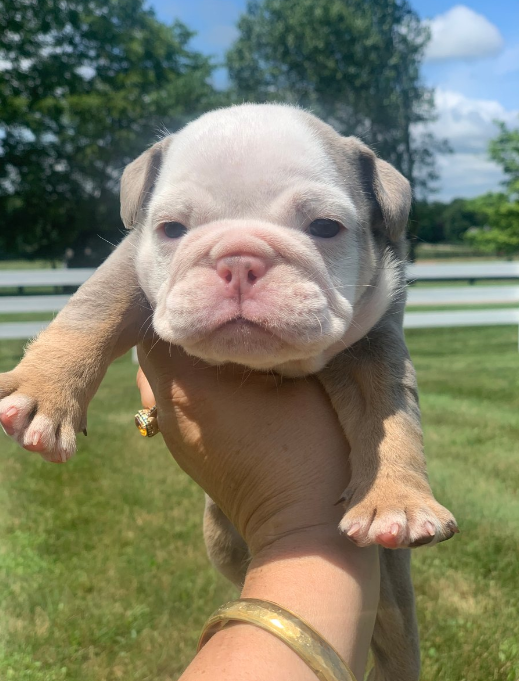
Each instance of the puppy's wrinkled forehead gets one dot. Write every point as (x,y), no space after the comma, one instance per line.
(246,152)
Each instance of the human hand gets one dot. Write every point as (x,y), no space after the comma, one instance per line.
(271,453)
(268,450)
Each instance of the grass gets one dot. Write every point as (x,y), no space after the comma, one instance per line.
(464,283)
(103,570)
(27,316)
(455,253)
(35,290)
(463,307)
(30,264)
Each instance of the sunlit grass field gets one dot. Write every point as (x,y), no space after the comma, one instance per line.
(103,569)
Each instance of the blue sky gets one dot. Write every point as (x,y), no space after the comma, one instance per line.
(472,62)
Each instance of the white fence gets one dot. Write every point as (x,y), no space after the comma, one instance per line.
(474,271)
(470,295)
(28,278)
(415,272)
(448,295)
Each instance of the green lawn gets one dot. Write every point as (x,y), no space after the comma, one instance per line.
(458,308)
(454,253)
(30,264)
(103,570)
(27,317)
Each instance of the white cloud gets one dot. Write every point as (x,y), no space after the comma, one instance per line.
(467,175)
(468,125)
(461,33)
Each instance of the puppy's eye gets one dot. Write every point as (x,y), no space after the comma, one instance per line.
(324,228)
(174,230)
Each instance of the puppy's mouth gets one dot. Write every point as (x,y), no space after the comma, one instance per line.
(240,340)
(242,326)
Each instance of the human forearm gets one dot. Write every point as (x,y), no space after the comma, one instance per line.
(322,578)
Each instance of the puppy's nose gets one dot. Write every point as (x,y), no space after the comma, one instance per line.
(241,272)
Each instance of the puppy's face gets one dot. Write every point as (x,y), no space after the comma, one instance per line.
(253,250)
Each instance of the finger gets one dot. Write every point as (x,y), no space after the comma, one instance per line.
(147,396)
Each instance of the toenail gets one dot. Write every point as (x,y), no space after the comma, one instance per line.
(429,527)
(11,412)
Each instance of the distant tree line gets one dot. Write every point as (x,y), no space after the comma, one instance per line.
(446,222)
(86,85)
(488,223)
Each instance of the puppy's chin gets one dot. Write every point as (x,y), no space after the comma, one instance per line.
(241,341)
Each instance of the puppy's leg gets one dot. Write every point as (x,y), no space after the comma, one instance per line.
(372,386)
(226,549)
(43,401)
(395,642)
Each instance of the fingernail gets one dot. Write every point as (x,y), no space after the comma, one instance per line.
(11,412)
(85,432)
(341,500)
(394,529)
(35,439)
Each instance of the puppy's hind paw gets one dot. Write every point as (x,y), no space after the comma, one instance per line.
(407,519)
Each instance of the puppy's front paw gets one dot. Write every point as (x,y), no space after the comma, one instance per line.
(395,516)
(40,418)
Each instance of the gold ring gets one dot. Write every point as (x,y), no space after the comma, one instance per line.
(146,421)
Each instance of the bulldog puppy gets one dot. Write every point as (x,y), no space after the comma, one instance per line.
(262,237)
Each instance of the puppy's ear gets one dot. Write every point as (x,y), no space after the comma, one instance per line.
(387,190)
(138,180)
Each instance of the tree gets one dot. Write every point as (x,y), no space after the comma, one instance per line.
(460,215)
(501,208)
(501,233)
(354,63)
(429,222)
(438,222)
(85,86)
(504,150)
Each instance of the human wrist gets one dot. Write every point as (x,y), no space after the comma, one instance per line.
(304,515)
(326,580)
(271,543)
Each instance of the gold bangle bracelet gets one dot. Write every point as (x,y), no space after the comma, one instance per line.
(318,654)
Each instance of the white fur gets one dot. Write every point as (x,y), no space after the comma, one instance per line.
(249,180)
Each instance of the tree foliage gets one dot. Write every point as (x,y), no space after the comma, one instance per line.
(501,209)
(438,222)
(500,235)
(504,150)
(85,85)
(355,63)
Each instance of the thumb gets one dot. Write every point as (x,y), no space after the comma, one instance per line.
(147,396)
